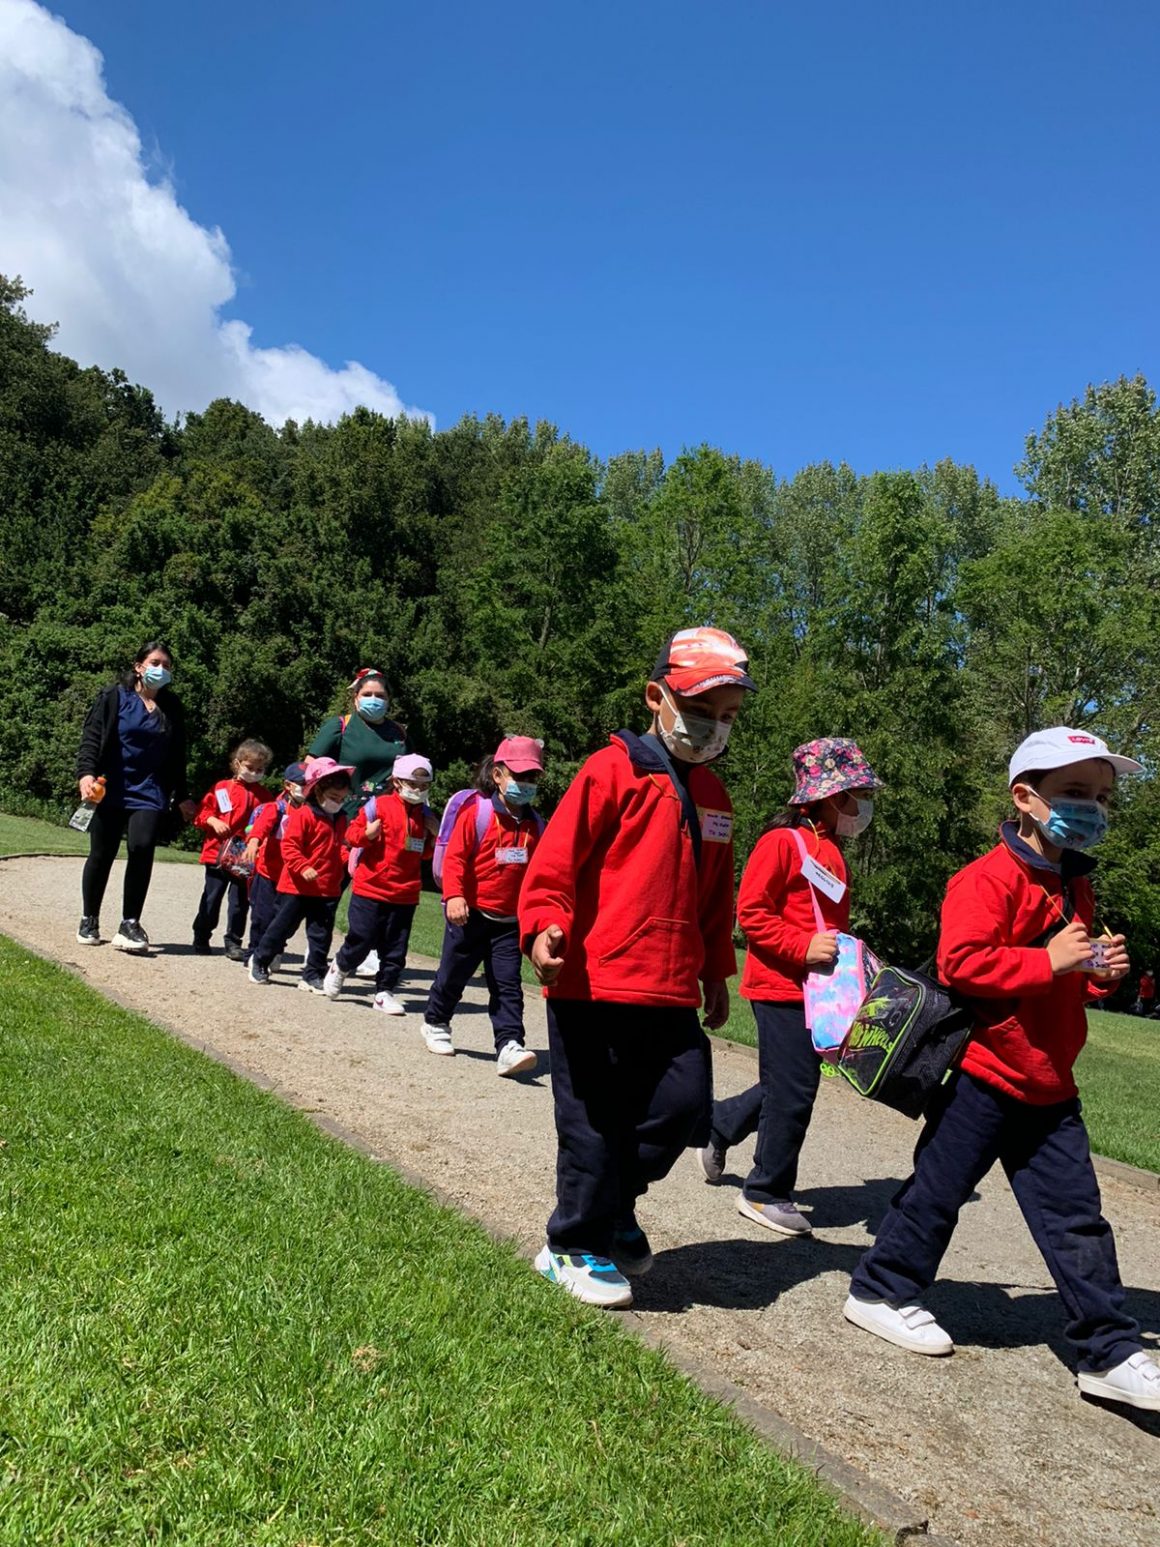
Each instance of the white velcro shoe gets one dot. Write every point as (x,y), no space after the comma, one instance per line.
(906,1326)
(1135,1382)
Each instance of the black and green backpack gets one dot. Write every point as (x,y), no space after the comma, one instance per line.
(905,1041)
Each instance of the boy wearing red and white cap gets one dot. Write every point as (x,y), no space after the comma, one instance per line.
(484,867)
(627,916)
(1016,938)
(391,836)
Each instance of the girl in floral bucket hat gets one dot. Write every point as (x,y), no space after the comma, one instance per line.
(797,861)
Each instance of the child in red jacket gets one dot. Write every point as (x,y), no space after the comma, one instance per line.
(224,814)
(264,850)
(391,834)
(1016,937)
(795,873)
(313,872)
(484,868)
(626,913)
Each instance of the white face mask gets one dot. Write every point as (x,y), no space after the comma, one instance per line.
(850,826)
(693,738)
(248,776)
(412,795)
(332,804)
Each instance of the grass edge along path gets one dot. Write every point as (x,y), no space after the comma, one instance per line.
(221,1325)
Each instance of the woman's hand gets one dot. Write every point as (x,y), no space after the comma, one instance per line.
(457,910)
(716,1004)
(86,786)
(823,950)
(217,826)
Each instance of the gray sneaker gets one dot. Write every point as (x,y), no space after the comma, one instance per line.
(780,1215)
(711,1159)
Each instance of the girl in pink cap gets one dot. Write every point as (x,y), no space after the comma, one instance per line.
(796,870)
(483,871)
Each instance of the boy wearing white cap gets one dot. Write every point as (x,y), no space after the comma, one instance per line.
(1016,939)
(391,835)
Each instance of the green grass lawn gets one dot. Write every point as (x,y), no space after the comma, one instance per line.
(221,1326)
(29,835)
(1118,1075)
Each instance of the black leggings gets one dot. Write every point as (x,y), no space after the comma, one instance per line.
(109,825)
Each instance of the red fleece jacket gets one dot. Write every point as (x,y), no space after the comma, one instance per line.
(776,915)
(390,868)
(242,798)
(474,871)
(1029,1024)
(313,840)
(265,827)
(616,871)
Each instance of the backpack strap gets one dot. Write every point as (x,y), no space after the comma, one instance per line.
(688,804)
(804,853)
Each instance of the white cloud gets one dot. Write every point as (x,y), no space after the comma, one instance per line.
(111,255)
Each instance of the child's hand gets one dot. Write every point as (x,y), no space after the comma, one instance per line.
(250,854)
(457,910)
(716,1004)
(548,956)
(1118,964)
(1071,948)
(823,950)
(310,874)
(374,829)
(217,826)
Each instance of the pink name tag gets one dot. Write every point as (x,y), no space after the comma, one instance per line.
(516,856)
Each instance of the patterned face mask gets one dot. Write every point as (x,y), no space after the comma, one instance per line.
(693,738)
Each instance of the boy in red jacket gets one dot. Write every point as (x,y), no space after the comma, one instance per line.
(626,913)
(1016,938)
(313,871)
(390,833)
(224,814)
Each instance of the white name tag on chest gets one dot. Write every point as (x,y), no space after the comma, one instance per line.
(415,845)
(223,801)
(826,883)
(514,856)
(716,826)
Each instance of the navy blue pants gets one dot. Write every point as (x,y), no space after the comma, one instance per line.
(318,914)
(217,884)
(263,906)
(384,927)
(1044,1152)
(629,1085)
(465,946)
(779,1107)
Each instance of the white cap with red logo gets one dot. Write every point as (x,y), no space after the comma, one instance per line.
(1059,747)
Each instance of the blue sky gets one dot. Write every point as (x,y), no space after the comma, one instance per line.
(881,233)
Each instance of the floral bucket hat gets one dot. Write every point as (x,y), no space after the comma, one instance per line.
(827,766)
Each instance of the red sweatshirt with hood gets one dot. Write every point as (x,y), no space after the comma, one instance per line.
(241,798)
(616,870)
(998,917)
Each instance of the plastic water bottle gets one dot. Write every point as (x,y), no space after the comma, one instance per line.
(83,814)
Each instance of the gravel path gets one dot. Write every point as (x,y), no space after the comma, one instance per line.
(994,1446)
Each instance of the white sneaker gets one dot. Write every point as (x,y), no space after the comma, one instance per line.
(907,1326)
(389,1005)
(437,1038)
(514,1058)
(595,1280)
(1135,1382)
(369,968)
(333,981)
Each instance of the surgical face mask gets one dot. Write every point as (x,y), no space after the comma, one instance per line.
(331,804)
(1073,824)
(850,826)
(693,738)
(372,708)
(296,793)
(156,676)
(251,776)
(409,793)
(520,793)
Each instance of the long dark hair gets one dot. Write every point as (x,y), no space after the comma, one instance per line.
(130,678)
(793,816)
(484,782)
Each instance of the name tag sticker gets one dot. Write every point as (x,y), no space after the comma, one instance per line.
(416,845)
(515,856)
(223,801)
(817,875)
(716,826)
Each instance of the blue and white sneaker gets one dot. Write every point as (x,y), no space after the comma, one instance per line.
(595,1280)
(631,1250)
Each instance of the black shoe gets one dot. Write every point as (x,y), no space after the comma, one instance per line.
(89,930)
(131,937)
(235,951)
(311,985)
(201,946)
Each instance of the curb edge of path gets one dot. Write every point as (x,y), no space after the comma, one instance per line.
(857,1493)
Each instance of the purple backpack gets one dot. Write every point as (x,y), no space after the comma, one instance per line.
(484,811)
(356,854)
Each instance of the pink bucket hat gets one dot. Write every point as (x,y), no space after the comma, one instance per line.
(323,768)
(827,766)
(521,754)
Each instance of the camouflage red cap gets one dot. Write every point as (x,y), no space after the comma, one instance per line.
(697,659)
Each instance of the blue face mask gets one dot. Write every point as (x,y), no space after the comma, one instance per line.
(156,677)
(521,794)
(1074,824)
(372,709)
